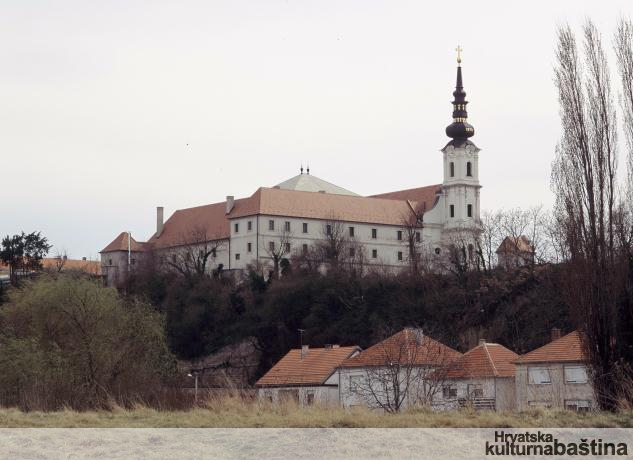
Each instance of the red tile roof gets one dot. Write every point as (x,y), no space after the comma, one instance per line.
(485,360)
(409,346)
(120,243)
(512,244)
(92,267)
(423,196)
(566,349)
(314,369)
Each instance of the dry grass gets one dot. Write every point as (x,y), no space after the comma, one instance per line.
(236,413)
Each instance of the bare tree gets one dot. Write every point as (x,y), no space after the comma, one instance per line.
(191,256)
(398,374)
(278,248)
(584,181)
(412,230)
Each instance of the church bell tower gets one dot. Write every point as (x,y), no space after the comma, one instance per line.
(461,169)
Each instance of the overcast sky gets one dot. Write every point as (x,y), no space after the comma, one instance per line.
(109,109)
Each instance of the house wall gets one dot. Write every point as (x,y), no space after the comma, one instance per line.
(323,395)
(114,265)
(550,395)
(440,402)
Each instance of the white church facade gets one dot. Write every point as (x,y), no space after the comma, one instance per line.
(288,220)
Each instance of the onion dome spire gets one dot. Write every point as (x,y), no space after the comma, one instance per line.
(460,130)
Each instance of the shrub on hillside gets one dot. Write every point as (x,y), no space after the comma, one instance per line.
(67,341)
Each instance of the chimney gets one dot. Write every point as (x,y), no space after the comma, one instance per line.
(304,350)
(482,341)
(555,333)
(230,203)
(328,346)
(159,221)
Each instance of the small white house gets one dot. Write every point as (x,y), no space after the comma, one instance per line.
(305,376)
(555,375)
(482,378)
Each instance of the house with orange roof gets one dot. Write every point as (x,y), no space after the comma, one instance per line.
(515,252)
(288,220)
(482,378)
(555,375)
(306,376)
(395,373)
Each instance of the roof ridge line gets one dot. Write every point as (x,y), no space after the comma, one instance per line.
(494,368)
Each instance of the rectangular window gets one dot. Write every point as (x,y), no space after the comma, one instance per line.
(287,226)
(351,231)
(374,253)
(109,261)
(578,405)
(305,227)
(328,229)
(271,246)
(271,225)
(399,255)
(575,374)
(249,225)
(417,237)
(200,254)
(354,382)
(305,248)
(132,261)
(249,247)
(469,169)
(470,210)
(237,257)
(475,391)
(399,235)
(352,252)
(452,169)
(374,233)
(310,398)
(452,210)
(539,376)
(214,252)
(237,228)
(449,392)
(287,247)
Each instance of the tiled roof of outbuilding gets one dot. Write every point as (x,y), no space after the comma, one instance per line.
(568,348)
(314,368)
(485,360)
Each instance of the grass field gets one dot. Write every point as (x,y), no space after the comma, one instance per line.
(234,413)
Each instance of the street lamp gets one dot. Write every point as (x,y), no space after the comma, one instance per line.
(194,374)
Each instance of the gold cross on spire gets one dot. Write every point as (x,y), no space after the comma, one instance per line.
(459,54)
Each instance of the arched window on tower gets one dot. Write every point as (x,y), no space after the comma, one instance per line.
(469,169)
(452,166)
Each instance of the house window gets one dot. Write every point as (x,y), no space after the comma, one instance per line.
(539,376)
(249,225)
(470,210)
(452,169)
(328,229)
(213,252)
(399,255)
(354,382)
(352,252)
(287,226)
(201,254)
(399,235)
(437,251)
(449,392)
(249,247)
(351,231)
(374,253)
(418,237)
(268,396)
(469,169)
(471,252)
(578,405)
(109,261)
(132,261)
(374,233)
(237,228)
(305,227)
(271,246)
(237,256)
(173,258)
(305,248)
(452,209)
(271,225)
(475,391)
(310,398)
(287,247)
(575,374)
